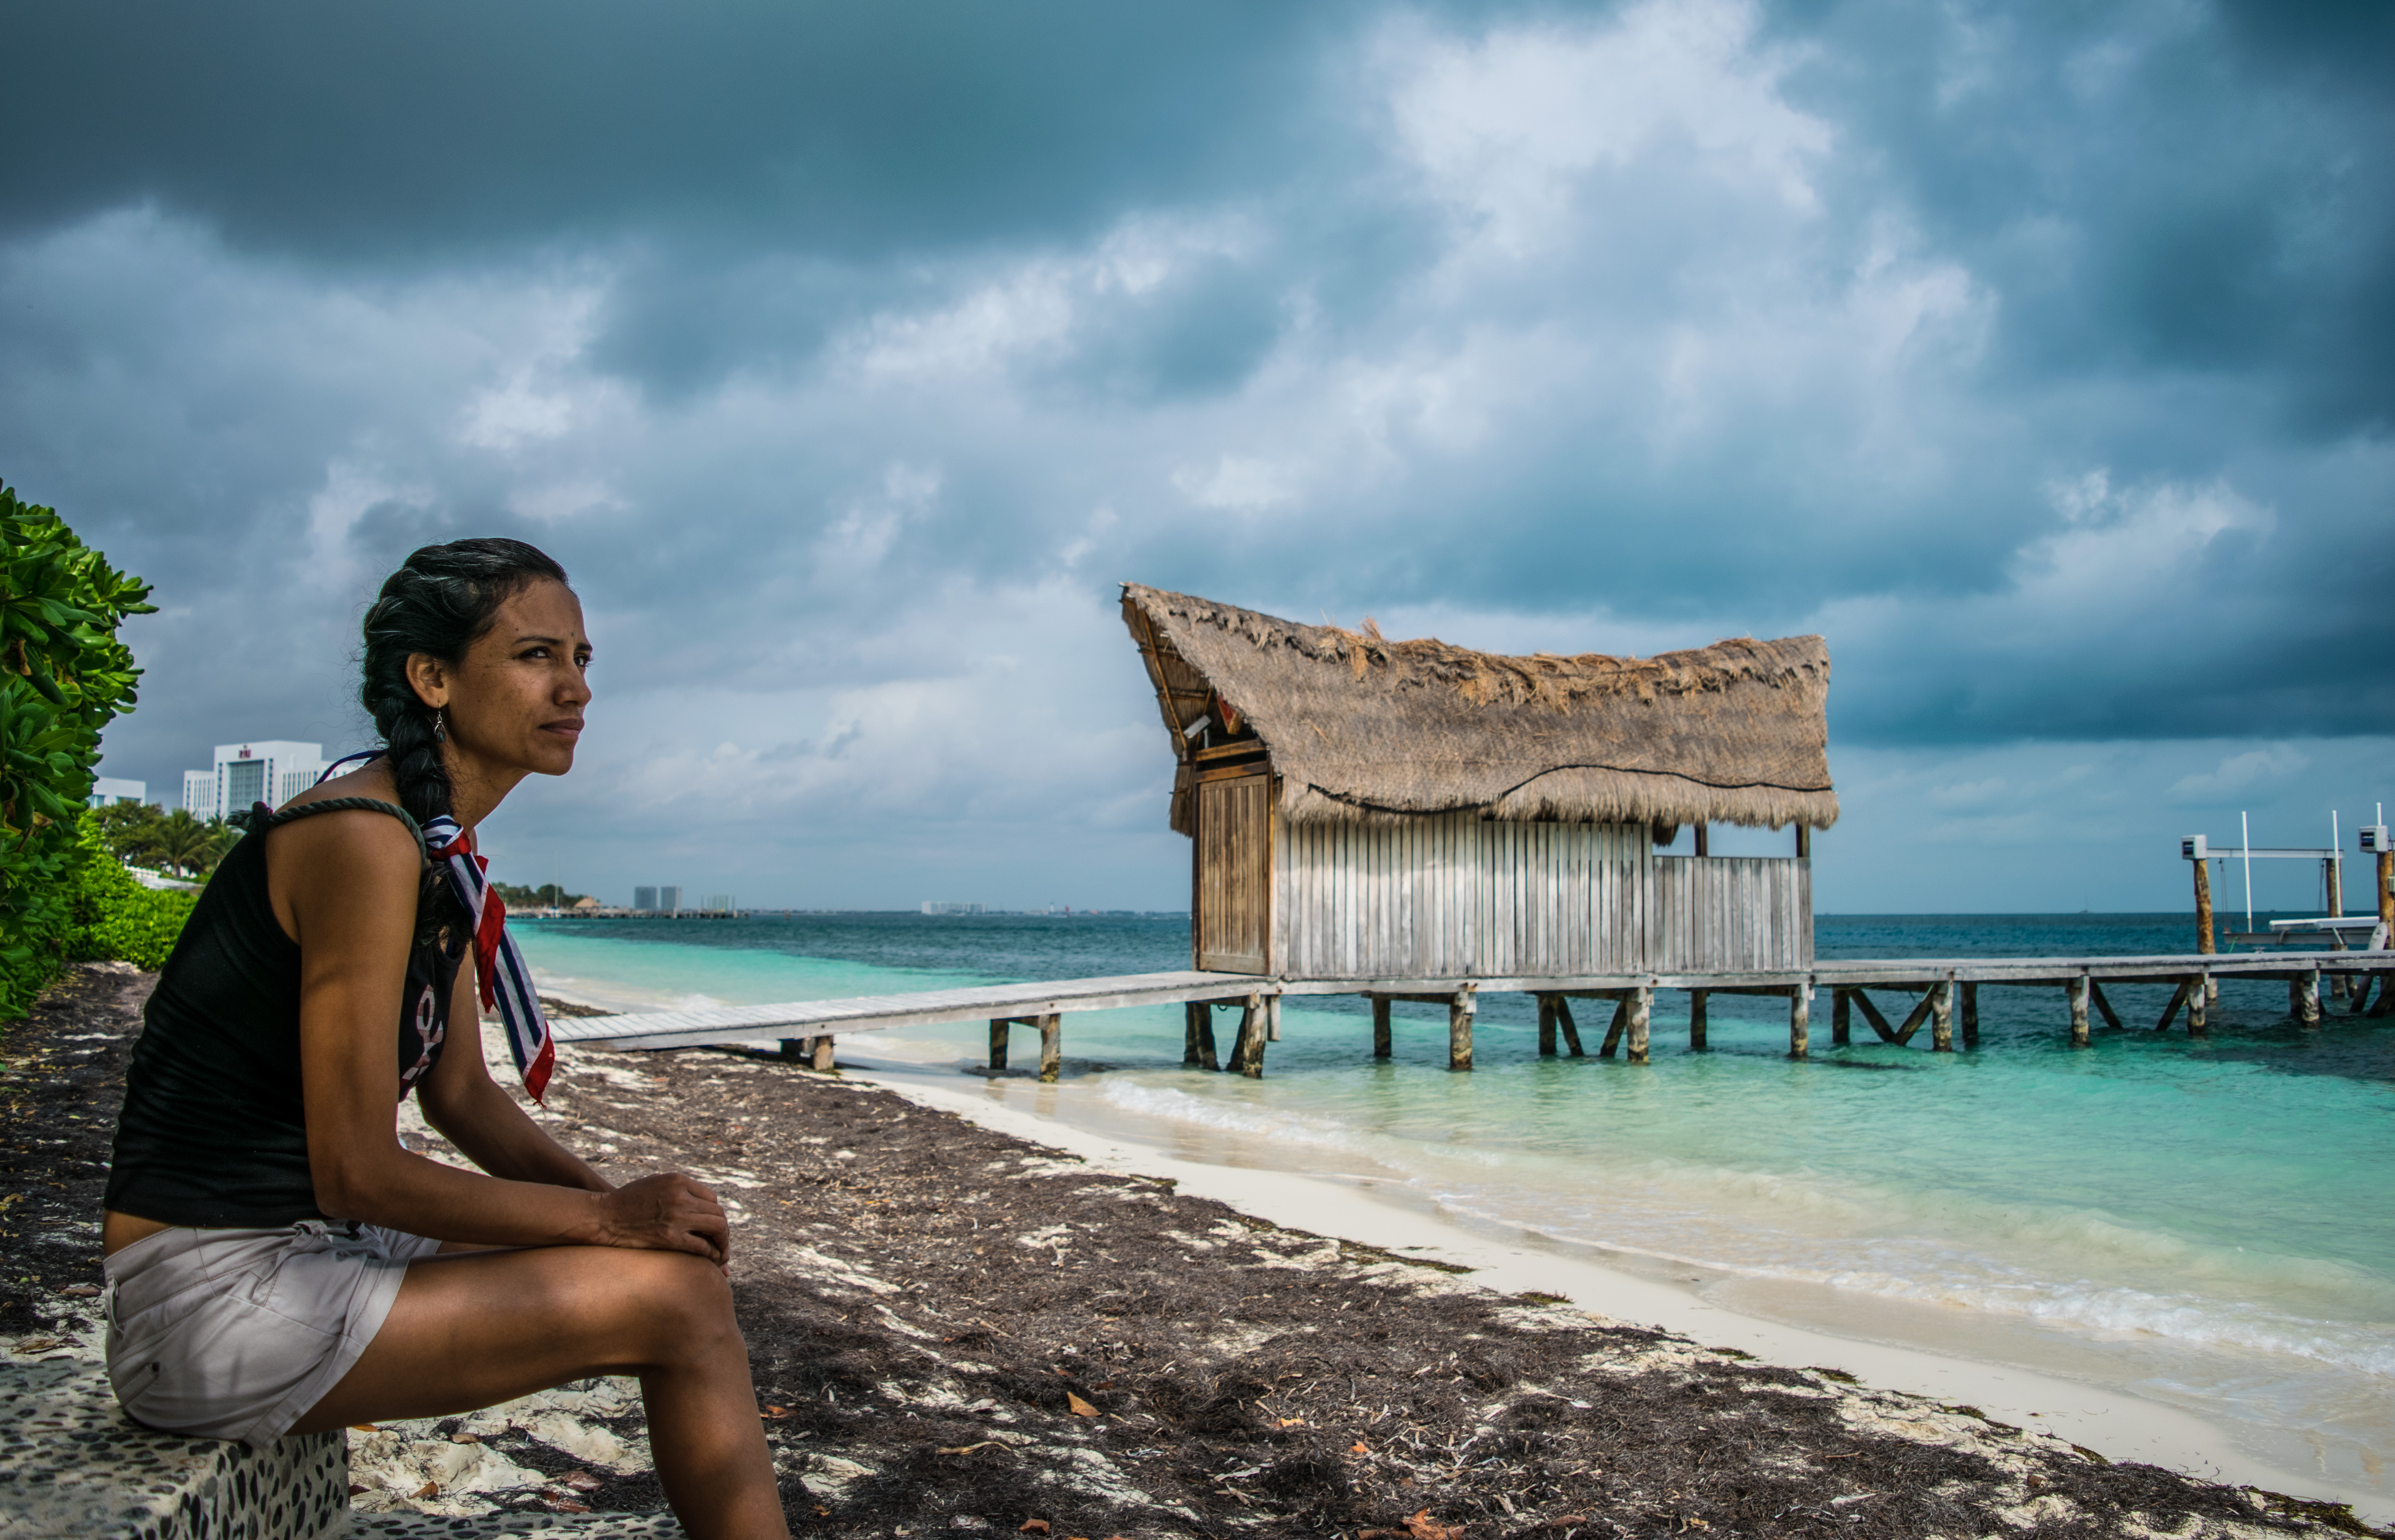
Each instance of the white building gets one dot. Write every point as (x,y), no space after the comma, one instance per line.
(107,790)
(247,772)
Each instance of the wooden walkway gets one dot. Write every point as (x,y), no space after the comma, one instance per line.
(1948,990)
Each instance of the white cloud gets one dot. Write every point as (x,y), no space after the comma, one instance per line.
(1505,126)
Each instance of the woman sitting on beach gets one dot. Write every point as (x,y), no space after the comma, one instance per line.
(277,1262)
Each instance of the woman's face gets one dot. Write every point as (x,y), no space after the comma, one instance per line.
(515,703)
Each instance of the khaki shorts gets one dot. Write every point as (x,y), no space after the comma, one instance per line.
(235,1333)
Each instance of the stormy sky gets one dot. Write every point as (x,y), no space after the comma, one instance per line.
(2040,356)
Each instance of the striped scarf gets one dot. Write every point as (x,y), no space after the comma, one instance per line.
(499,970)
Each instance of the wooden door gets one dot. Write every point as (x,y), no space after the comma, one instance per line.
(1233,855)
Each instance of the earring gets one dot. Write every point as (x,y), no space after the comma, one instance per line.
(440,725)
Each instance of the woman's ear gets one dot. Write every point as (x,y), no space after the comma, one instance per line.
(429,676)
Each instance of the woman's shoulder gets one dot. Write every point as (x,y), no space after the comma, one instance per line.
(367,817)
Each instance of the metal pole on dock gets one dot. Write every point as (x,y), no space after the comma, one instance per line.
(2333,879)
(2246,838)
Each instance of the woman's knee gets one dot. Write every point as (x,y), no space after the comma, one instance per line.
(682,1303)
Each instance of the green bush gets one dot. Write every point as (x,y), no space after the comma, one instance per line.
(63,677)
(111,915)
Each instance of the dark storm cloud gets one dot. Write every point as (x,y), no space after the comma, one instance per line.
(374,133)
(2038,356)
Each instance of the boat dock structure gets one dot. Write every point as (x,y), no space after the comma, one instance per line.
(1946,1005)
(1415,821)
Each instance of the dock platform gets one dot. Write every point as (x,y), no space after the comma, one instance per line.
(1948,988)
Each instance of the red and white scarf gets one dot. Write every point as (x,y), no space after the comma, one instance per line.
(499,970)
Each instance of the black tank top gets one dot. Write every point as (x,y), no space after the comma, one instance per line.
(214,1132)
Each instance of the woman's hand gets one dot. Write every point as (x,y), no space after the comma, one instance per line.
(666,1212)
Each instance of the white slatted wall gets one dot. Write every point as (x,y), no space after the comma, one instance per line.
(1726,913)
(1458,894)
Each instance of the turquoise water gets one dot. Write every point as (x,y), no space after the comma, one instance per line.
(2206,1218)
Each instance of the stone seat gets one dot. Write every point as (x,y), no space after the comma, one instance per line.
(72,1464)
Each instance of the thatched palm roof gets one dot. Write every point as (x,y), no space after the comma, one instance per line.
(1361,727)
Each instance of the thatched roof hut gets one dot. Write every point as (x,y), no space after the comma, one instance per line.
(1359,727)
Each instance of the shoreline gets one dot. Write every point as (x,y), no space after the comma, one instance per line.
(2115,1422)
(1249,1175)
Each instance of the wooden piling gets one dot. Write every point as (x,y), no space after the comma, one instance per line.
(1642,1006)
(2307,998)
(1941,1017)
(1546,1025)
(1272,1018)
(1192,1012)
(2199,1002)
(1247,1049)
(1381,1045)
(1697,1011)
(998,1029)
(1571,1028)
(1842,1013)
(1459,1029)
(1052,1048)
(823,1056)
(2333,879)
(2203,907)
(1206,1056)
(2077,989)
(1615,1029)
(1970,1015)
(1799,1010)
(2103,1006)
(2203,934)
(2386,995)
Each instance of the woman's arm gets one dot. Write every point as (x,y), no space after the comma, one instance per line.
(345,885)
(475,1113)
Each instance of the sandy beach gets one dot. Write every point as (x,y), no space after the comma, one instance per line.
(961,1319)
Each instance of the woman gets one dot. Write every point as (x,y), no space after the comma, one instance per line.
(277,1263)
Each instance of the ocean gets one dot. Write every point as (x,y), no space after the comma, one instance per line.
(2204,1222)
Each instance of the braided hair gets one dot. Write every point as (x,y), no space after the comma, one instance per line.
(438,604)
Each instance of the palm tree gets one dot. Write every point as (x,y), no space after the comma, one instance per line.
(184,844)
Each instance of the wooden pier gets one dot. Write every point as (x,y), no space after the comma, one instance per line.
(1947,1004)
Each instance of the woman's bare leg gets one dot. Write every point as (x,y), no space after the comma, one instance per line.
(474,1329)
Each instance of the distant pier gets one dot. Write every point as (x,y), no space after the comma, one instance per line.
(1938,994)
